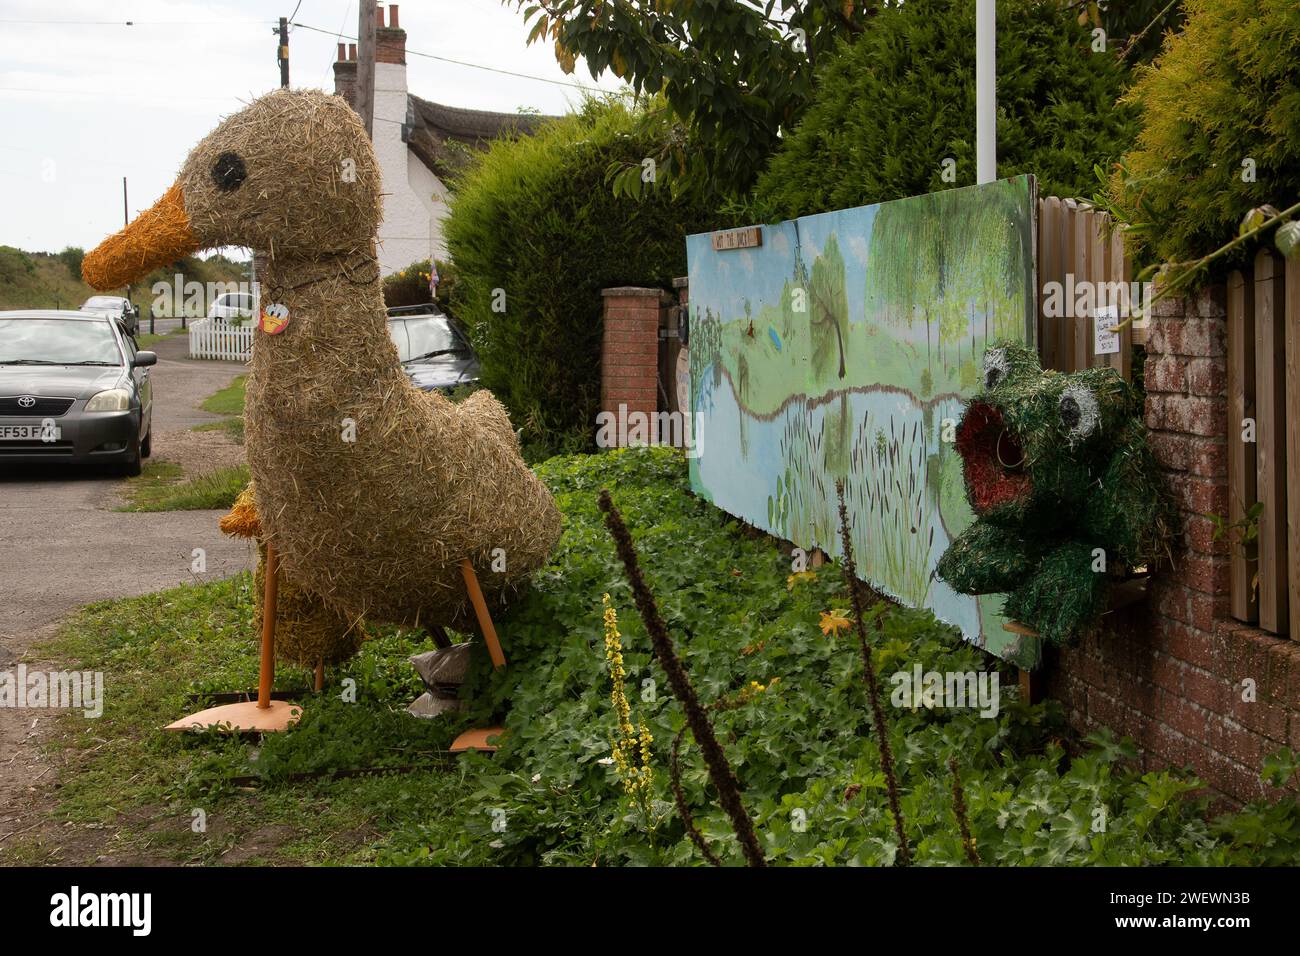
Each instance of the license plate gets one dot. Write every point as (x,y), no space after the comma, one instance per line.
(35,432)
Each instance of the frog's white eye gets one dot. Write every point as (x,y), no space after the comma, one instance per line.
(996,366)
(1078,411)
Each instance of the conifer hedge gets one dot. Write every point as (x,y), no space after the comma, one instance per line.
(1225,91)
(536,232)
(899,100)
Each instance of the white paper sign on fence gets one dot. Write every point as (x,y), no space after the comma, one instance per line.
(1105,339)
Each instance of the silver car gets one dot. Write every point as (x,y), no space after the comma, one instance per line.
(115,307)
(73,388)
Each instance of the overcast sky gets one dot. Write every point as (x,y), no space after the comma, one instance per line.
(85,103)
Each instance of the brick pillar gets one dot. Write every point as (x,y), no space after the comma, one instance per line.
(1171,673)
(630,349)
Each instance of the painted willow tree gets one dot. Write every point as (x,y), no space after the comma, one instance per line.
(905,265)
(949,257)
(828,308)
(988,252)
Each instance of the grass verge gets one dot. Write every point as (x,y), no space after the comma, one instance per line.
(160,487)
(233,427)
(229,400)
(146,341)
(123,771)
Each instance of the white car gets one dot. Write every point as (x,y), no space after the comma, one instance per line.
(232,307)
(115,307)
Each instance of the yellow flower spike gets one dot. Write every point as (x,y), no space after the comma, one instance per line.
(630,747)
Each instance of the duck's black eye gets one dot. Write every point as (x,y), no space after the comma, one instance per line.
(228,172)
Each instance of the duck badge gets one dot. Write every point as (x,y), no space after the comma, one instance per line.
(274,318)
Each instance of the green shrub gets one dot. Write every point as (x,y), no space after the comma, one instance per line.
(536,231)
(14,264)
(71,257)
(410,286)
(1223,91)
(891,107)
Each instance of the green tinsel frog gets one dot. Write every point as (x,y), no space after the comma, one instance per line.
(1066,493)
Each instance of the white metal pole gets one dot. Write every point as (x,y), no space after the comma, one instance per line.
(986,96)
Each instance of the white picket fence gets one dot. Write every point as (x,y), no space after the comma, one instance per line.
(214,339)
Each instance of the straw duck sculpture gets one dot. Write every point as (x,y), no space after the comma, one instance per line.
(371,491)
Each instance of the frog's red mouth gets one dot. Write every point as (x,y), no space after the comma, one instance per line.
(994,459)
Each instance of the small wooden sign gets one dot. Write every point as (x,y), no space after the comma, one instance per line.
(745,238)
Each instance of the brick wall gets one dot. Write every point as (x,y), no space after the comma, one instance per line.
(1171,673)
(630,348)
(390,38)
(345,74)
(390,45)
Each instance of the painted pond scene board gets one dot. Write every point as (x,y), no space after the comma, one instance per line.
(843,347)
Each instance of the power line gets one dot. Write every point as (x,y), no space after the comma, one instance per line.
(339,35)
(128,23)
(475,66)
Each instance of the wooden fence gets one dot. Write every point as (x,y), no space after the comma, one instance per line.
(215,339)
(1078,250)
(1264,439)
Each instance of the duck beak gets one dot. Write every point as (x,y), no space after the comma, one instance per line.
(160,235)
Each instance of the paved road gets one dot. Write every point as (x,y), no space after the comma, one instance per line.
(62,546)
(161,326)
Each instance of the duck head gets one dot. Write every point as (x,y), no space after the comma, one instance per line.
(292,175)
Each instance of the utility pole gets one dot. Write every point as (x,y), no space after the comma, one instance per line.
(126,221)
(366,66)
(282,55)
(986,94)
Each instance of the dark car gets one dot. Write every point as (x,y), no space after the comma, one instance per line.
(73,388)
(433,347)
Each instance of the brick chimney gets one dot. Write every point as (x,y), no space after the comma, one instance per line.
(345,74)
(390,38)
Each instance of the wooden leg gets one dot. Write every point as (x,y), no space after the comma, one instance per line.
(480,609)
(263,715)
(439,635)
(320,676)
(267,675)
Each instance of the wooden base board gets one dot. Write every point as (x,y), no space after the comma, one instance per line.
(1123,594)
(1031,683)
(244,717)
(477,739)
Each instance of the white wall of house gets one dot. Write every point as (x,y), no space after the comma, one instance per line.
(411,230)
